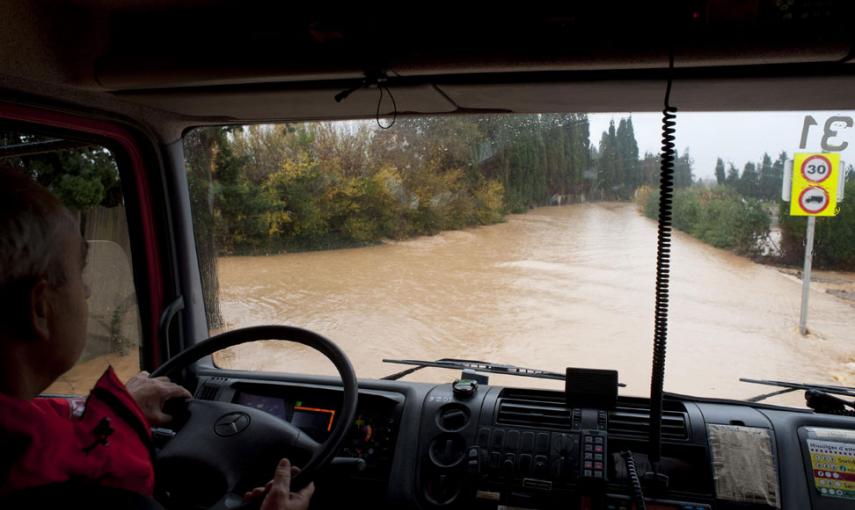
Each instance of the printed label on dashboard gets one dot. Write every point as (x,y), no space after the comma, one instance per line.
(833,464)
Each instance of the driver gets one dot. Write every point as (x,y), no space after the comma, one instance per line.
(104,439)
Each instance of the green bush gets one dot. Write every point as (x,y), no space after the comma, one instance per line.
(309,203)
(489,203)
(731,221)
(304,186)
(834,238)
(647,200)
(687,209)
(719,216)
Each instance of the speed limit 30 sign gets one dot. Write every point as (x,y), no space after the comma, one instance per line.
(814,186)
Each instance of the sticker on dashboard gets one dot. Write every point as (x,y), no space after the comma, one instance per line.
(833,464)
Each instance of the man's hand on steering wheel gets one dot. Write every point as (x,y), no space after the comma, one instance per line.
(151,393)
(277,493)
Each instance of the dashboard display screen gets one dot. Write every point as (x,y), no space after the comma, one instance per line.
(315,421)
(270,405)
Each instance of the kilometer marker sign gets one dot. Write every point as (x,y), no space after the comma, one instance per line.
(814,185)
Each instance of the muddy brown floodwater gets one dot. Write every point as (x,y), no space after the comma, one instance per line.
(556,287)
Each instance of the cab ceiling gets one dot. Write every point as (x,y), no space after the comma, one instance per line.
(192,62)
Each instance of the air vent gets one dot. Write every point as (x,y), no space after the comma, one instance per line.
(631,418)
(207,391)
(534,410)
(634,421)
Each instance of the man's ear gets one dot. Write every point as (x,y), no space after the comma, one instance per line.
(39,309)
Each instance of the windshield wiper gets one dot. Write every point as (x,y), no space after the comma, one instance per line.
(791,386)
(477,366)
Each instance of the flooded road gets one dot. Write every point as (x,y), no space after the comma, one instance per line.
(556,287)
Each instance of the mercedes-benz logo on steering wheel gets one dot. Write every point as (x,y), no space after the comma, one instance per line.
(231,424)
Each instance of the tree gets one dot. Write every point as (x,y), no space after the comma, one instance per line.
(535,157)
(732,179)
(319,185)
(768,183)
(627,150)
(683,177)
(200,146)
(450,141)
(777,180)
(81,177)
(608,168)
(579,157)
(719,172)
(618,166)
(749,181)
(650,168)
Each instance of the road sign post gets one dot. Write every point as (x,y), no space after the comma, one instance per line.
(813,188)
(811,225)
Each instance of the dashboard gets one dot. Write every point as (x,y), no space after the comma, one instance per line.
(315,409)
(416,445)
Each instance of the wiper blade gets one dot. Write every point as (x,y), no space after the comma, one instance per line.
(477,366)
(791,386)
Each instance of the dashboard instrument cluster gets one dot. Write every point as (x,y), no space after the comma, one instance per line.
(315,411)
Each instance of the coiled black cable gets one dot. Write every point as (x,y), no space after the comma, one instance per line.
(374,78)
(663,268)
(635,482)
(394,107)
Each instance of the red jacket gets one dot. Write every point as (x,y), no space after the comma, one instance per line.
(105,440)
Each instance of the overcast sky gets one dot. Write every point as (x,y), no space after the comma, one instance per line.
(735,137)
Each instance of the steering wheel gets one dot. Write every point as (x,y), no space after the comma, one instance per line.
(223,449)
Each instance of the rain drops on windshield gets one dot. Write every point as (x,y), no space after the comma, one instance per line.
(527,240)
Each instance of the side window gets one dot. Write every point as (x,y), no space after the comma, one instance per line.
(85,177)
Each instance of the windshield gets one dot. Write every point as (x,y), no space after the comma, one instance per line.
(527,240)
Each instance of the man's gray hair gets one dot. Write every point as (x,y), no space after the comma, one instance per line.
(30,221)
